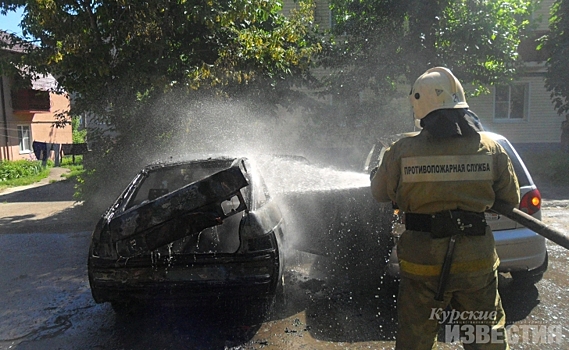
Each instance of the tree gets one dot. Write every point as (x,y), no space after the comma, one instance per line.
(137,66)
(381,45)
(130,51)
(556,43)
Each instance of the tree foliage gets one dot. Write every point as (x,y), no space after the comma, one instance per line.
(114,55)
(378,45)
(130,64)
(117,54)
(476,39)
(557,45)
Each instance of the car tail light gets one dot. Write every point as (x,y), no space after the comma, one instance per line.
(531,202)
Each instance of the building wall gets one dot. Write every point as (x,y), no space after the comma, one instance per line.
(321,12)
(540,16)
(41,125)
(542,124)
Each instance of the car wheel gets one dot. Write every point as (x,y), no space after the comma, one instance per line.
(125,307)
(531,276)
(280,302)
(389,286)
(364,250)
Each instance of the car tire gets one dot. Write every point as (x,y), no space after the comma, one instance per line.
(389,286)
(125,307)
(363,250)
(531,276)
(280,295)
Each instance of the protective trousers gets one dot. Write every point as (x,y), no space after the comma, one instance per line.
(475,316)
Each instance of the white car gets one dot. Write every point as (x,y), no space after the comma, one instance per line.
(522,252)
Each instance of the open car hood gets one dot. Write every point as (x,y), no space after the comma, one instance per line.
(179,213)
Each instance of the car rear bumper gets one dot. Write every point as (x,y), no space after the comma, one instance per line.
(519,249)
(242,276)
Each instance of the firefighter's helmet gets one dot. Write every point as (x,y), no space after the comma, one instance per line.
(437,88)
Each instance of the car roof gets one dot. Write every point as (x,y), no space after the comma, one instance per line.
(169,164)
(388,140)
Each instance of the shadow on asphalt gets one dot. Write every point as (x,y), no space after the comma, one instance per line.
(72,218)
(352,304)
(518,300)
(54,192)
(200,327)
(334,311)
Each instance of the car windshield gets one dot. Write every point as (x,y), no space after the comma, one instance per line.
(162,180)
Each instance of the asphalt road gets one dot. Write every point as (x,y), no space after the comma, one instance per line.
(46,206)
(46,303)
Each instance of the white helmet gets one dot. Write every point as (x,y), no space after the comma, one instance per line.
(436,89)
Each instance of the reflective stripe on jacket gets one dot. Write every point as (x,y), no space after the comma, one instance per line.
(456,268)
(421,257)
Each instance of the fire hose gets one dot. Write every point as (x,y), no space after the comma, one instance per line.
(531,223)
(514,214)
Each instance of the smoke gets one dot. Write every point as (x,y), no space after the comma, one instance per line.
(177,129)
(330,214)
(327,208)
(318,200)
(180,128)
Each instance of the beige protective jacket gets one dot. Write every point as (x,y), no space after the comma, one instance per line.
(425,175)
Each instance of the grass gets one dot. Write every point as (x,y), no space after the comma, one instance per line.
(19,167)
(26,180)
(76,168)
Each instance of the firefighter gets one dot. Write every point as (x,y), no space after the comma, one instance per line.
(444,179)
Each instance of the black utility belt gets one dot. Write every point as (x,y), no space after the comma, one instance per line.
(447,223)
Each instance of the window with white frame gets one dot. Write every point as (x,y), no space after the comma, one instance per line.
(24,136)
(511,102)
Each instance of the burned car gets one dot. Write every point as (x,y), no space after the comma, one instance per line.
(186,230)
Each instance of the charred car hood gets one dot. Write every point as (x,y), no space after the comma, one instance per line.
(176,214)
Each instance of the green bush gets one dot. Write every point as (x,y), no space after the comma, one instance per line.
(67,161)
(11,170)
(548,166)
(79,136)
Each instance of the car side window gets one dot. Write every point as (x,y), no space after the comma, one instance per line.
(260,192)
(519,168)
